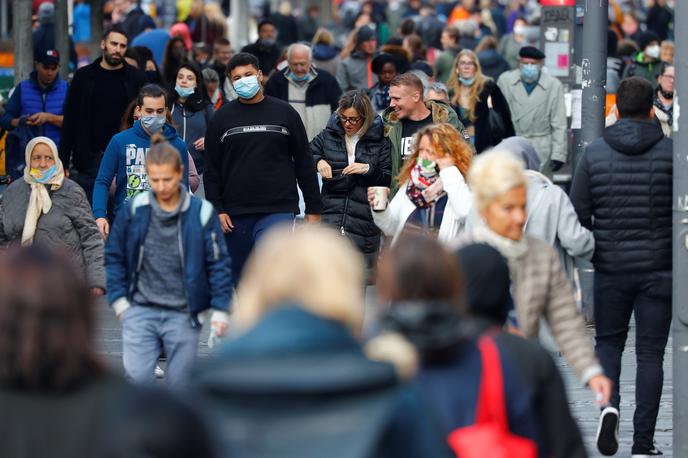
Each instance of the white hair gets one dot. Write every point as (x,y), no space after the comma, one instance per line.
(300,45)
(493,174)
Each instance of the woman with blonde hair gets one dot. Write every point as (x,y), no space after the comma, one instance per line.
(325,53)
(433,195)
(300,310)
(539,285)
(351,154)
(47,208)
(478,101)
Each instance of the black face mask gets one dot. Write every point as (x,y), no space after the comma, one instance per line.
(153,76)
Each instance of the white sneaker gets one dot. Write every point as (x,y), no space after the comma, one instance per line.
(648,454)
(159,373)
(608,432)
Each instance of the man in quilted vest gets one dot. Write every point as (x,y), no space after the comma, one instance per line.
(36,103)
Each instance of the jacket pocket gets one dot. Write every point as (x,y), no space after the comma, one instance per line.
(341,184)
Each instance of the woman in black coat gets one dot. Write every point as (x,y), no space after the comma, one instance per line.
(473,96)
(352,154)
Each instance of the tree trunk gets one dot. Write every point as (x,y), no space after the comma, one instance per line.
(96,27)
(23,40)
(62,36)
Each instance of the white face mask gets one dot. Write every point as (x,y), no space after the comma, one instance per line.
(653,51)
(519,29)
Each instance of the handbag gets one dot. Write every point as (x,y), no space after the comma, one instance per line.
(490,437)
(498,129)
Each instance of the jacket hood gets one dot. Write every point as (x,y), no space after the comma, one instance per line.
(169,132)
(434,328)
(294,351)
(324,52)
(633,137)
(489,58)
(374,132)
(523,150)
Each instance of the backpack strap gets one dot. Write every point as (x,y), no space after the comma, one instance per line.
(140,200)
(206,212)
(491,402)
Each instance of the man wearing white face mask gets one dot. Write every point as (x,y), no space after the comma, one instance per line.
(538,113)
(646,64)
(125,156)
(256,150)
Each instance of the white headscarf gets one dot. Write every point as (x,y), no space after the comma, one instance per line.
(39,200)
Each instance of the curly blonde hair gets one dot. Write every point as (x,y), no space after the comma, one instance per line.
(445,139)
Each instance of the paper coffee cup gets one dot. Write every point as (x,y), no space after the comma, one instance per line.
(380,200)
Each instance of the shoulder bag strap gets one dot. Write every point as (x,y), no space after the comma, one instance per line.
(491,402)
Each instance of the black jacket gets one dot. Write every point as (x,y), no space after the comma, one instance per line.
(622,191)
(78,122)
(267,56)
(323,90)
(345,198)
(484,137)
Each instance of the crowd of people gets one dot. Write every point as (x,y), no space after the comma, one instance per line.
(405,152)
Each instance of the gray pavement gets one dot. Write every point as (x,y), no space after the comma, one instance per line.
(581,401)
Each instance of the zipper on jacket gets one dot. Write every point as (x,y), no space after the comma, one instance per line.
(194,323)
(346,207)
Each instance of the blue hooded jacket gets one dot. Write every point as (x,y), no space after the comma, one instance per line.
(125,158)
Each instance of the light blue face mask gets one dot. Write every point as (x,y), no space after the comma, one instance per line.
(467,81)
(530,73)
(45,176)
(153,123)
(184,91)
(247,87)
(296,78)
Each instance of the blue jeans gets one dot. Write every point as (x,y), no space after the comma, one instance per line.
(248,230)
(145,331)
(649,297)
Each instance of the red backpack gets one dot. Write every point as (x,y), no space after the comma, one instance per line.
(490,437)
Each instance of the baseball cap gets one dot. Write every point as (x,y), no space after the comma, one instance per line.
(50,56)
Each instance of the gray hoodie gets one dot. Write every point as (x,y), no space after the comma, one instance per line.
(551,216)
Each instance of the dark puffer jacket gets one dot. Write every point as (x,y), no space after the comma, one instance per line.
(622,191)
(345,198)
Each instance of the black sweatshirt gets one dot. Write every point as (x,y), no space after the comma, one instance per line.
(254,155)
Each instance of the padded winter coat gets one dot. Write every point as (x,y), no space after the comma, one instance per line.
(68,226)
(622,191)
(345,198)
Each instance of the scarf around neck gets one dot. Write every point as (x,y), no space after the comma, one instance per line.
(424,187)
(512,250)
(39,199)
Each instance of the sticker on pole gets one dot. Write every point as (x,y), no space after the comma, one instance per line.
(558,2)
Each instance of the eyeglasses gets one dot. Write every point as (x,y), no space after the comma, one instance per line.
(669,77)
(347,120)
(466,64)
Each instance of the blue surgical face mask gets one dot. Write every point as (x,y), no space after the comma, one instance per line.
(45,176)
(184,91)
(247,87)
(299,79)
(153,123)
(530,73)
(467,81)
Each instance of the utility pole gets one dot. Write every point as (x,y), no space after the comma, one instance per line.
(96,27)
(680,258)
(594,67)
(23,40)
(239,23)
(62,36)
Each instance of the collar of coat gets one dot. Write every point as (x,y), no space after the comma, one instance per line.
(439,110)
